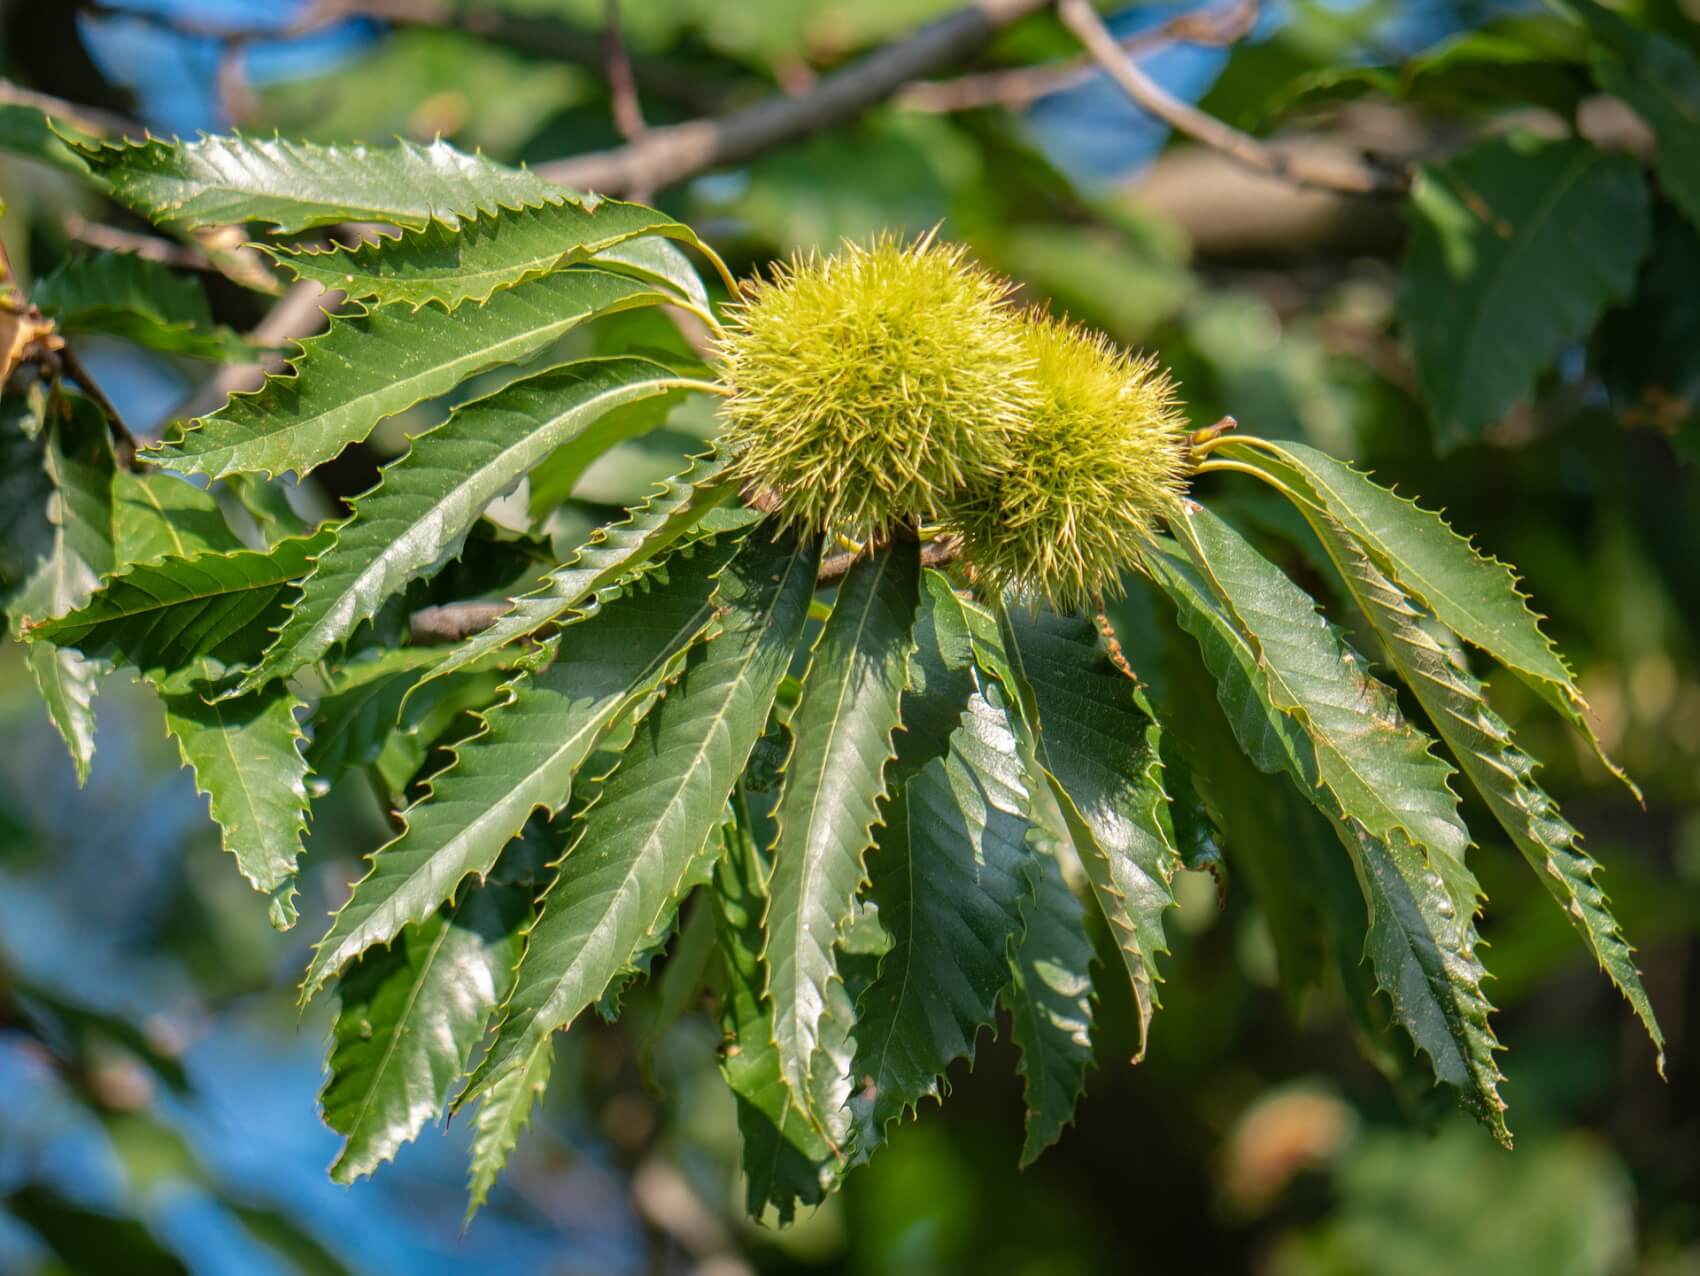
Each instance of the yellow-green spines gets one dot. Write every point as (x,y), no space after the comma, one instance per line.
(869,386)
(1102,457)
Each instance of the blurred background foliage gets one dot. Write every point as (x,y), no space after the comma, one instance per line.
(159,1112)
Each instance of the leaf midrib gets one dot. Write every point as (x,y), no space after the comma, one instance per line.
(390,1047)
(1318,733)
(812,862)
(477,356)
(909,947)
(538,440)
(224,187)
(224,736)
(591,727)
(1429,590)
(514,272)
(158,604)
(1469,342)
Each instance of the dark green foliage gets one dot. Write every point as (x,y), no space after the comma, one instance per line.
(140,300)
(1517,247)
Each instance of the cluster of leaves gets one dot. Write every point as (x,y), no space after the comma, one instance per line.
(879,804)
(1523,245)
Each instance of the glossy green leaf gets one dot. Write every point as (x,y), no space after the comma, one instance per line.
(646,834)
(1380,769)
(1474,596)
(294,186)
(1517,247)
(662,260)
(360,710)
(1301,701)
(1098,744)
(26,492)
(614,549)
(267,503)
(142,301)
(502,1116)
(941,679)
(246,756)
(951,881)
(79,466)
(1050,1000)
(370,366)
(418,517)
(158,516)
(1505,777)
(1479,739)
(786,1161)
(524,759)
(833,783)
(182,620)
(1050,993)
(25,131)
(449,265)
(660,938)
(1266,825)
(410,1018)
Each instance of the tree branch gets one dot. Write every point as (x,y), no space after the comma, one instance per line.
(622,84)
(1360,178)
(935,553)
(665,156)
(1021,86)
(453,622)
(124,442)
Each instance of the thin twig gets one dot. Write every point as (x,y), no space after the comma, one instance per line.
(235,98)
(664,156)
(1021,86)
(124,442)
(61,356)
(1202,440)
(453,622)
(622,86)
(1360,178)
(935,553)
(149,247)
(91,119)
